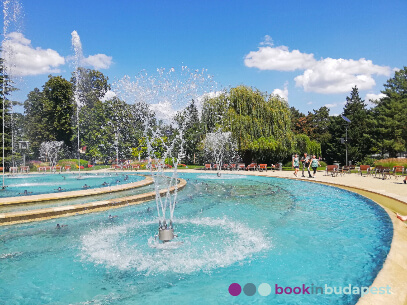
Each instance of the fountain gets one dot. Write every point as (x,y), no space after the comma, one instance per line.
(50,150)
(166,95)
(220,146)
(78,58)
(11,16)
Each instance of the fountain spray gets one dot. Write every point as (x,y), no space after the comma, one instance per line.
(77,46)
(165,98)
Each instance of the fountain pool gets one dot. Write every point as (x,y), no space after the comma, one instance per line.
(49,183)
(244,230)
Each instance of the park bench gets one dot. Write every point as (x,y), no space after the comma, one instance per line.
(241,166)
(233,166)
(24,169)
(398,169)
(13,170)
(332,170)
(262,167)
(252,166)
(364,168)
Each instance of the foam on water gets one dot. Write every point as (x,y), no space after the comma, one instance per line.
(212,243)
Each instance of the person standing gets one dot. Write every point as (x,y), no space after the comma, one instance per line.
(296,164)
(305,164)
(314,164)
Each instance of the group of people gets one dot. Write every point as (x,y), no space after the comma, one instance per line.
(307,162)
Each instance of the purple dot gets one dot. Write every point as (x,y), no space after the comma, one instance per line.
(235,289)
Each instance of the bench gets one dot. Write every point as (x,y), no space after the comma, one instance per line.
(252,166)
(24,169)
(241,166)
(332,170)
(262,167)
(364,168)
(398,169)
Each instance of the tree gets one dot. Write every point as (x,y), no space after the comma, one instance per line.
(391,115)
(59,109)
(6,87)
(189,120)
(360,141)
(260,124)
(50,113)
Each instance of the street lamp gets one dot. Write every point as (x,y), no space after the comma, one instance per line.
(23,145)
(346,139)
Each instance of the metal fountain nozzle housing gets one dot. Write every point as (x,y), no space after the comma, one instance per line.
(165,234)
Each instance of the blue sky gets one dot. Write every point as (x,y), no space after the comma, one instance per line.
(310,52)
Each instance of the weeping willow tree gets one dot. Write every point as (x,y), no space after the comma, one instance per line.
(259,123)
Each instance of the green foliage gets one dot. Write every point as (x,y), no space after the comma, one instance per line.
(305,145)
(50,113)
(391,162)
(360,140)
(260,124)
(391,115)
(6,87)
(72,162)
(366,161)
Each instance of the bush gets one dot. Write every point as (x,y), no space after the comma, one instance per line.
(73,163)
(366,161)
(391,162)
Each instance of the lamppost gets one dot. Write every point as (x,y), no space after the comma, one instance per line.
(346,139)
(23,146)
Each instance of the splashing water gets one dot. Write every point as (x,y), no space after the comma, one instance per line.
(77,46)
(11,14)
(219,146)
(207,244)
(50,150)
(165,95)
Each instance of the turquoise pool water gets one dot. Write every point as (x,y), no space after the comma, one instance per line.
(239,230)
(49,183)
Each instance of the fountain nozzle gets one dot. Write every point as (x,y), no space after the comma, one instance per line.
(165,233)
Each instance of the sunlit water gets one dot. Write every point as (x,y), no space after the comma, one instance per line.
(245,230)
(49,183)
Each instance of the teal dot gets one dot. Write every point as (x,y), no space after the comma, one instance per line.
(249,289)
(264,289)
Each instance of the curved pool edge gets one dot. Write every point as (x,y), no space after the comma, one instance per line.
(12,218)
(394,270)
(74,194)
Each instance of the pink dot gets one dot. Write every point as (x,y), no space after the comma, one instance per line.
(235,289)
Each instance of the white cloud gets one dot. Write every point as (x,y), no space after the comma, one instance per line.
(340,75)
(98,61)
(373,97)
(327,75)
(268,41)
(24,60)
(278,58)
(108,95)
(283,93)
(309,103)
(163,110)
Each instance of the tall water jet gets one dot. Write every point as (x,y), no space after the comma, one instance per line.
(77,46)
(165,96)
(50,150)
(11,15)
(220,146)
